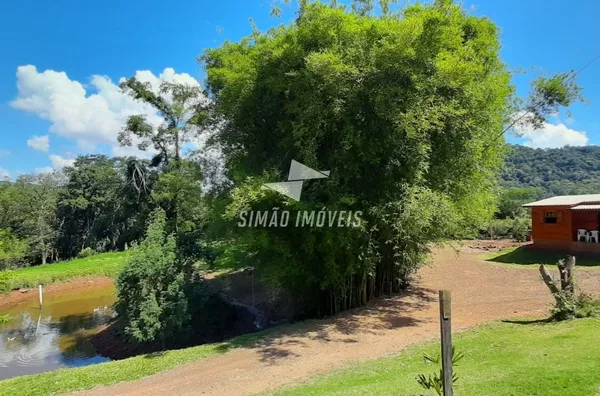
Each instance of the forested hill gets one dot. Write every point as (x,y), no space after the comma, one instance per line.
(562,171)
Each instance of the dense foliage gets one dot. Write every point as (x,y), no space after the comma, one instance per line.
(151,288)
(558,171)
(398,108)
(99,207)
(406,110)
(92,206)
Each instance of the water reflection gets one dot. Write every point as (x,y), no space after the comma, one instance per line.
(54,337)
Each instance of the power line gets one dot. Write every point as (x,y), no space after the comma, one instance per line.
(512,124)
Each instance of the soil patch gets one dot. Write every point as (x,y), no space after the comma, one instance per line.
(75,286)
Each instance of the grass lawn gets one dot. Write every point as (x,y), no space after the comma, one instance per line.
(105,264)
(73,379)
(525,256)
(561,359)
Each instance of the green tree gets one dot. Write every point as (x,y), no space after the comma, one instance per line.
(151,289)
(104,205)
(12,250)
(406,111)
(184,109)
(553,171)
(9,205)
(509,205)
(38,197)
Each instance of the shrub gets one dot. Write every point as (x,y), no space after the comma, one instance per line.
(498,228)
(87,252)
(571,306)
(152,298)
(5,284)
(520,228)
(516,228)
(435,381)
(12,250)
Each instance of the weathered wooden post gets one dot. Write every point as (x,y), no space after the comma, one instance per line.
(446,335)
(41,292)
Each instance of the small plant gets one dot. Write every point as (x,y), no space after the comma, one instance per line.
(435,381)
(5,281)
(570,303)
(571,306)
(5,318)
(87,252)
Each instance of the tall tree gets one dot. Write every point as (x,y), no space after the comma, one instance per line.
(104,204)
(404,110)
(184,109)
(38,198)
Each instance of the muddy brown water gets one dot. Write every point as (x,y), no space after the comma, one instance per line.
(58,335)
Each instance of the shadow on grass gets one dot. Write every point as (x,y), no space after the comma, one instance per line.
(154,355)
(525,255)
(528,321)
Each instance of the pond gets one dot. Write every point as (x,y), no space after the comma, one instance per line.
(58,335)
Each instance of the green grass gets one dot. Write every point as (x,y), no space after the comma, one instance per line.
(525,256)
(501,359)
(105,264)
(5,318)
(74,379)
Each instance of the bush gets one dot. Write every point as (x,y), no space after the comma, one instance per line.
(498,228)
(13,250)
(570,306)
(520,227)
(87,252)
(152,295)
(5,285)
(515,228)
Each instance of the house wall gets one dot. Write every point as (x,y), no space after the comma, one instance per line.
(562,230)
(586,219)
(568,247)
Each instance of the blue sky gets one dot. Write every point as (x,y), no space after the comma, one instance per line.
(61,60)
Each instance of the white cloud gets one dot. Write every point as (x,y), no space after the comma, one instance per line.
(552,135)
(4,153)
(59,162)
(39,143)
(88,118)
(4,174)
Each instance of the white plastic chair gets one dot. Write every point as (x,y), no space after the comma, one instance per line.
(581,233)
(593,235)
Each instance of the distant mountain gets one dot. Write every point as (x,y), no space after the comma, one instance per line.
(562,171)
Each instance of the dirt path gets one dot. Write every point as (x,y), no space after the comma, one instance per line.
(481,292)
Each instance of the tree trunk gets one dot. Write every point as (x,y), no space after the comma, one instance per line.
(565,269)
(548,280)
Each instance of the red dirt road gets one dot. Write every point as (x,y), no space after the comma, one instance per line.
(481,292)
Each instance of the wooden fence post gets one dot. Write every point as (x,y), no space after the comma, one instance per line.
(446,335)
